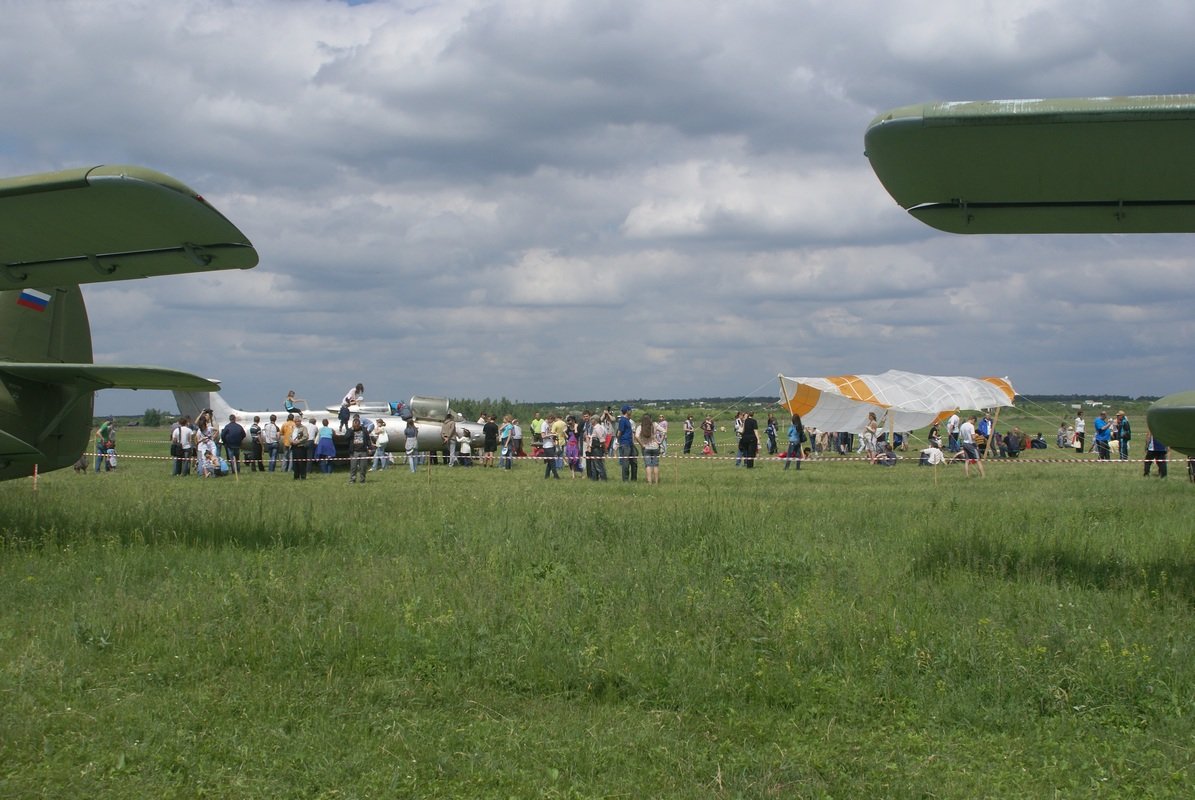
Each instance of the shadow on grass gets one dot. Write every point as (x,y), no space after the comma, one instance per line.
(36,527)
(981,555)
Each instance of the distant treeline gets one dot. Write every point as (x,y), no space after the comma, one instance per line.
(1079,398)
(525,410)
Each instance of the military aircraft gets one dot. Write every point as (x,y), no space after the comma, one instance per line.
(87,225)
(427,412)
(1081,165)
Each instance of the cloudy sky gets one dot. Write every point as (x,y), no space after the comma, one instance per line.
(572,200)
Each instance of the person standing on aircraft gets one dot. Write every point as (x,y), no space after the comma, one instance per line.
(233,436)
(689,433)
(358,451)
(354,396)
(289,405)
(269,435)
(448,435)
(1124,432)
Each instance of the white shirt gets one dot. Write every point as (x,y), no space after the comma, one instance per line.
(933,456)
(966,433)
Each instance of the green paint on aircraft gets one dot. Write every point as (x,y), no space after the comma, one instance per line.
(1084,165)
(58,230)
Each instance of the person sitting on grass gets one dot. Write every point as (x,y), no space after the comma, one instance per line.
(885,456)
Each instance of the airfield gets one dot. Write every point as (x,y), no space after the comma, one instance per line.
(845,630)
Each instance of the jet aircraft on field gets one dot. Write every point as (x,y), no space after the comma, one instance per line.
(61,229)
(428,414)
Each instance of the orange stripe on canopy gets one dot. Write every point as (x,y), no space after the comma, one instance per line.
(805,399)
(943,416)
(854,388)
(1002,385)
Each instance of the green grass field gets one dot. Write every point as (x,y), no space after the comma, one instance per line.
(842,631)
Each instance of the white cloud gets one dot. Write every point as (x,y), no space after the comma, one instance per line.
(674,190)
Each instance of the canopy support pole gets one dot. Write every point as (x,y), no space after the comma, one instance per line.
(992,433)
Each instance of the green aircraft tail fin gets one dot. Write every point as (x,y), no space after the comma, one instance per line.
(46,421)
(44,324)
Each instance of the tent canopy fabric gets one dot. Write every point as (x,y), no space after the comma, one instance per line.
(903,401)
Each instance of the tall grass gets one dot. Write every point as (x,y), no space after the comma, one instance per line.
(843,630)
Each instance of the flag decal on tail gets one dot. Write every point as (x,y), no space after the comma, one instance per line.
(32,298)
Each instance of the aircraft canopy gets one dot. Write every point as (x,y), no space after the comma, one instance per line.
(903,401)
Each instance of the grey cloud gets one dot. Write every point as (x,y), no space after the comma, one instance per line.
(674,190)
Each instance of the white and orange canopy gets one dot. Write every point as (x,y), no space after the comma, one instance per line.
(903,401)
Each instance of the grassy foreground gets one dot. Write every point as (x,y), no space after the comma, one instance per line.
(842,631)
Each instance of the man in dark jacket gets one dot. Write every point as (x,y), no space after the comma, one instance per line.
(233,436)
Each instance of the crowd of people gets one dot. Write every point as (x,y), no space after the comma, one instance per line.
(580,444)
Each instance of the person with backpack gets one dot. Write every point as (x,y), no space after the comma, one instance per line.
(182,442)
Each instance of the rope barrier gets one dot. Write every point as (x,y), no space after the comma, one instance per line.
(400,458)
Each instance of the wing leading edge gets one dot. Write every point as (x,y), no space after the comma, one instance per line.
(111,223)
(1083,165)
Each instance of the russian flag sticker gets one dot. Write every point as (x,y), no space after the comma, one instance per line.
(32,298)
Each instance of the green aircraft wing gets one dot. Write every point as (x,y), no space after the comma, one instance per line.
(111,223)
(1084,165)
(92,377)
(71,385)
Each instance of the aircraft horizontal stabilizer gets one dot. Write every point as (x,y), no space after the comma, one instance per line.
(92,377)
